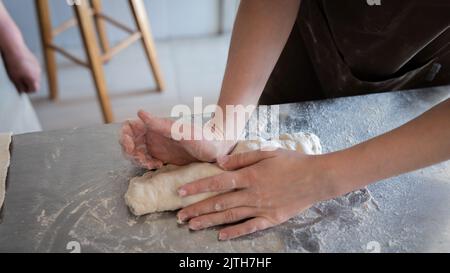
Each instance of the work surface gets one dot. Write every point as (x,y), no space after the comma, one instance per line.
(65,189)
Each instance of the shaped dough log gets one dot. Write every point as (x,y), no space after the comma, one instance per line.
(157,190)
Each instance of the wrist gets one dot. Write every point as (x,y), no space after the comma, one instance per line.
(228,125)
(339,176)
(215,128)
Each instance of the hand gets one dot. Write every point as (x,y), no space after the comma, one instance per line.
(266,188)
(149,142)
(23,69)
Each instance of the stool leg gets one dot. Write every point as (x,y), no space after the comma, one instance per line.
(143,25)
(45,27)
(100,25)
(94,57)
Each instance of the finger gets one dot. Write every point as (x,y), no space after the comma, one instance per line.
(139,132)
(125,129)
(26,87)
(140,151)
(236,161)
(127,137)
(138,154)
(248,227)
(23,87)
(226,181)
(220,218)
(214,204)
(143,161)
(152,163)
(19,87)
(138,127)
(32,85)
(159,125)
(127,144)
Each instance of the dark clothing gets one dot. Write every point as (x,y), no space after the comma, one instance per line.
(347,47)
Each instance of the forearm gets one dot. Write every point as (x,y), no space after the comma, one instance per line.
(419,143)
(260,32)
(11,39)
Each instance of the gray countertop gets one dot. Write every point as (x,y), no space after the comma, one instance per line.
(66,188)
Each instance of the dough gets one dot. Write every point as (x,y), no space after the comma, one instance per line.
(157,190)
(5,140)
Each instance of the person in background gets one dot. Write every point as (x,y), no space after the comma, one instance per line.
(21,65)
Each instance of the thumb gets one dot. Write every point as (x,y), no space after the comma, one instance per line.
(158,125)
(241,160)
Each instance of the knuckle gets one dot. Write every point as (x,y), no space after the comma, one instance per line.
(268,152)
(195,188)
(251,228)
(239,232)
(224,182)
(229,215)
(250,176)
(219,206)
(193,212)
(263,224)
(241,158)
(217,184)
(278,217)
(247,195)
(257,201)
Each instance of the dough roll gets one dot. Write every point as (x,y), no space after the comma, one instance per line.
(156,191)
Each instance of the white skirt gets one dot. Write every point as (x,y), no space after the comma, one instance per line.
(16,112)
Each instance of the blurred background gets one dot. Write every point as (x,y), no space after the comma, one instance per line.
(191,37)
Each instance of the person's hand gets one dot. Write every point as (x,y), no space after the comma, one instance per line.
(148,141)
(266,188)
(23,69)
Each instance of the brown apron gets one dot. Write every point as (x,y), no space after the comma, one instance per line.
(348,47)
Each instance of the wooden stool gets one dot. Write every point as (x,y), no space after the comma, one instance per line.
(96,57)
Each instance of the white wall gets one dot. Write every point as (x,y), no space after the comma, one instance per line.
(168,18)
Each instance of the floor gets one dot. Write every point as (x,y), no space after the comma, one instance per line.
(191,67)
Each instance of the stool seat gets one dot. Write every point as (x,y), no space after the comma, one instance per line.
(91,22)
